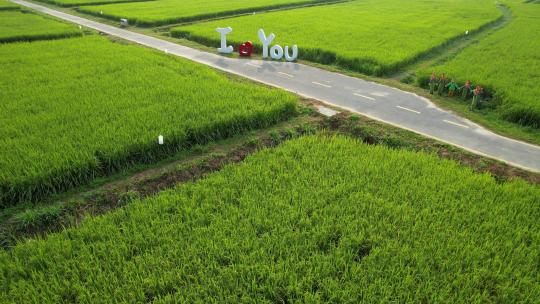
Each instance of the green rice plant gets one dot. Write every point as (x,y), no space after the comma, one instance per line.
(506,63)
(38,218)
(372,36)
(7,5)
(68,3)
(18,25)
(316,220)
(162,12)
(78,108)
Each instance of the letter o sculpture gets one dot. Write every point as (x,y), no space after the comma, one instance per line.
(276,52)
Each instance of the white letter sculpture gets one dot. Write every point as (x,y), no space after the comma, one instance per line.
(224,49)
(294,53)
(265,42)
(276,52)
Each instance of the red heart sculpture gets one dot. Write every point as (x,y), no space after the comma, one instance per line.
(246,49)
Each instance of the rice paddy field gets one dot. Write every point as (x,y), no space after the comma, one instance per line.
(372,36)
(162,12)
(318,219)
(507,64)
(74,109)
(16,25)
(6,5)
(69,3)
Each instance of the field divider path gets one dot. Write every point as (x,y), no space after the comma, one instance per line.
(342,91)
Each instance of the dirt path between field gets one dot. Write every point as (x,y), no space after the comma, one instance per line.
(402,109)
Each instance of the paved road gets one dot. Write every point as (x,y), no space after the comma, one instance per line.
(402,109)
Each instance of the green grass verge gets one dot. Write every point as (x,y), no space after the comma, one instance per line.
(372,36)
(506,63)
(314,220)
(162,12)
(79,108)
(18,25)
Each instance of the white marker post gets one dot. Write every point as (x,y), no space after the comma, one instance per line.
(160,140)
(224,49)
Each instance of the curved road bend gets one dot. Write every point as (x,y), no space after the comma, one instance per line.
(402,109)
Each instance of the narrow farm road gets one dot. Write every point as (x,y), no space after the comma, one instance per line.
(402,109)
